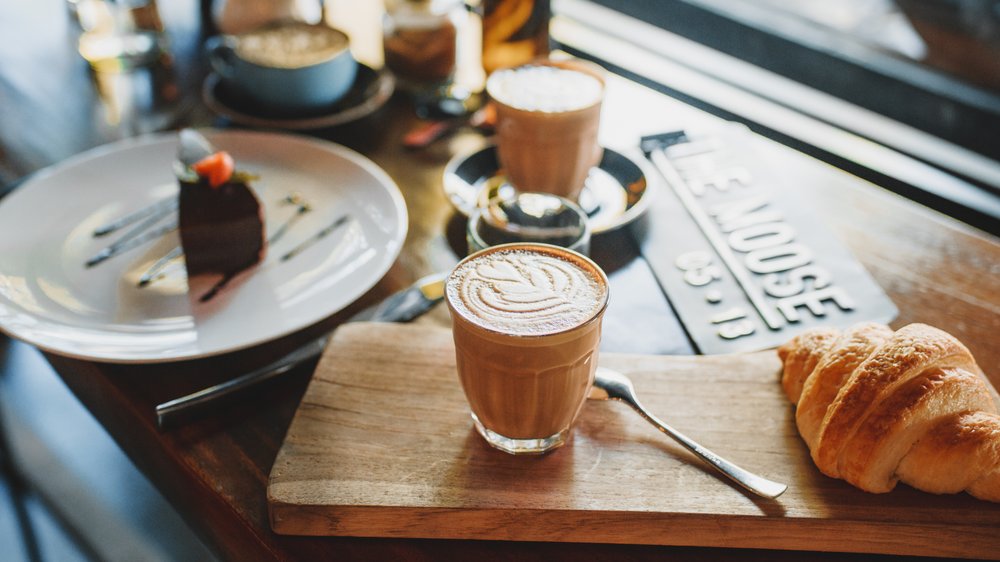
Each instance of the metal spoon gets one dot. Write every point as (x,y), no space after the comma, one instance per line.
(612,385)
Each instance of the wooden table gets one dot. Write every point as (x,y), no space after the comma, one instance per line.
(215,469)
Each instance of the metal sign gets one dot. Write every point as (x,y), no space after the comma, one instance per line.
(743,258)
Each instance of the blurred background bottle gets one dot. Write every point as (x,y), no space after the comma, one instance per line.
(133,70)
(514,32)
(420,39)
(119,35)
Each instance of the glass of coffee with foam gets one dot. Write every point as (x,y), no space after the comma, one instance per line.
(527,324)
(548,115)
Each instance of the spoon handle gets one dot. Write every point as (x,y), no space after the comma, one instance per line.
(752,482)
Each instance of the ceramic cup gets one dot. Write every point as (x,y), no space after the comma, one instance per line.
(290,66)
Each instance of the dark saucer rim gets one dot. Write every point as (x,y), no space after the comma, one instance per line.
(451,177)
(220,105)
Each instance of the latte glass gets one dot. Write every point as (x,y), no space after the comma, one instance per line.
(548,114)
(527,324)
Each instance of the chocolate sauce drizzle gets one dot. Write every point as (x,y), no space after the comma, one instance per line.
(217,288)
(152,214)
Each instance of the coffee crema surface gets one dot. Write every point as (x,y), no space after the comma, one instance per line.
(545,89)
(291,46)
(526,293)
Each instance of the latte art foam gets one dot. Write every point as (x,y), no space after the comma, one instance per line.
(525,292)
(291,45)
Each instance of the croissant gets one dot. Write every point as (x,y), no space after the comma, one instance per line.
(876,407)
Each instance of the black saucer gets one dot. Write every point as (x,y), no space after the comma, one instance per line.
(615,194)
(370,91)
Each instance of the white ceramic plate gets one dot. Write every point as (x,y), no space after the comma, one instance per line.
(50,299)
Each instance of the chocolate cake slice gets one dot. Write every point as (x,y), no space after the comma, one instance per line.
(220,218)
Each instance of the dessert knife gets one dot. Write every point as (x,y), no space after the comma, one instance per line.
(403,306)
(408,304)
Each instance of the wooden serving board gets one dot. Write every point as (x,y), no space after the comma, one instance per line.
(382,446)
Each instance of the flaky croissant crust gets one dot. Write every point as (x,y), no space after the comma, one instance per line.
(877,406)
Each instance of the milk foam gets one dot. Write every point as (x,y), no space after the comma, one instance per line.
(525,292)
(290,46)
(547,89)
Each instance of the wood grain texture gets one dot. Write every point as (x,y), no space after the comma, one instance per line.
(215,469)
(382,445)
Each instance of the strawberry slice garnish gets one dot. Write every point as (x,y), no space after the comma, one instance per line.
(217,168)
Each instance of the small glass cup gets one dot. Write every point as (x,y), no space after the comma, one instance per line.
(526,319)
(529,217)
(548,116)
